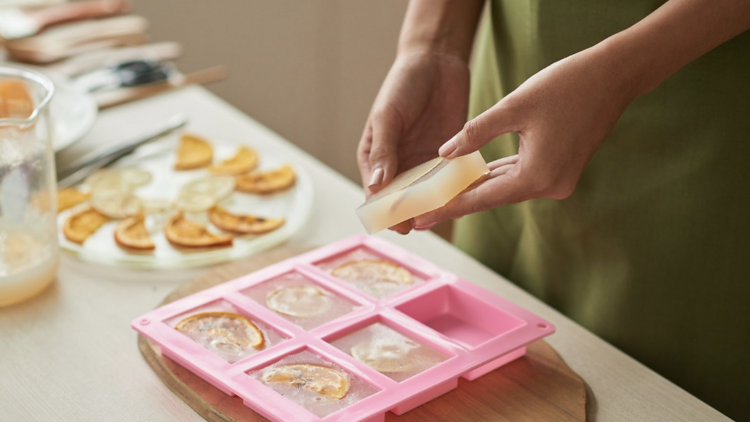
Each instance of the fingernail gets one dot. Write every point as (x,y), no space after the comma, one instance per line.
(421,225)
(448,148)
(376,178)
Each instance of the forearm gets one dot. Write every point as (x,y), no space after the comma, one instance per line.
(677,33)
(446,26)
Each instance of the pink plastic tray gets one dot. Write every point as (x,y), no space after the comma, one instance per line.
(476,330)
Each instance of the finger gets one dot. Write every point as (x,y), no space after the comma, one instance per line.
(513,159)
(363,155)
(478,131)
(403,227)
(386,132)
(504,187)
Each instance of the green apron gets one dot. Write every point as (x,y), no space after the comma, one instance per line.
(652,251)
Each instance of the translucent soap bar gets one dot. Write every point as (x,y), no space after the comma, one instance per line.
(424,188)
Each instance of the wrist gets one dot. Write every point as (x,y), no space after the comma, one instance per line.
(628,65)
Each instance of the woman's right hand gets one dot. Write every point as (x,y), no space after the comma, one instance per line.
(423,102)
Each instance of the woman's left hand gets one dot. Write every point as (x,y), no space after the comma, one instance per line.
(562,114)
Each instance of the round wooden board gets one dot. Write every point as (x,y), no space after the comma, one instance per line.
(536,387)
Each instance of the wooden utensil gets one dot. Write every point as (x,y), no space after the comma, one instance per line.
(123,95)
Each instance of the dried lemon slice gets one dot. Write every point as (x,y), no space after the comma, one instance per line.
(156,205)
(193,153)
(195,202)
(106,179)
(298,301)
(69,198)
(134,176)
(386,356)
(370,271)
(243,223)
(131,233)
(243,161)
(320,379)
(115,203)
(228,332)
(217,187)
(189,234)
(79,226)
(266,182)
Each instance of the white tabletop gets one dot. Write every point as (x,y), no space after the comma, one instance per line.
(70,355)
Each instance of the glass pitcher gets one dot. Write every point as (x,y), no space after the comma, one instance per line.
(28,201)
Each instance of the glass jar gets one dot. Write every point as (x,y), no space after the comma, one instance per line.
(29,252)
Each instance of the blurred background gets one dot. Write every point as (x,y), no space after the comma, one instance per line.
(309,70)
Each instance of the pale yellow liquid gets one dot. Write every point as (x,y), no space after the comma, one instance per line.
(27,266)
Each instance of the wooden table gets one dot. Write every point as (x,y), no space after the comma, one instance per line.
(70,355)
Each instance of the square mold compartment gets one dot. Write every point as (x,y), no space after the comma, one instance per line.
(387,350)
(313,383)
(301,300)
(371,272)
(460,316)
(231,339)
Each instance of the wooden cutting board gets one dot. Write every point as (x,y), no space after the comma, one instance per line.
(537,387)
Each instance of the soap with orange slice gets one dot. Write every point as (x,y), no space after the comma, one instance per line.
(70,197)
(131,233)
(226,331)
(79,226)
(323,380)
(243,161)
(242,223)
(185,233)
(373,271)
(193,153)
(267,182)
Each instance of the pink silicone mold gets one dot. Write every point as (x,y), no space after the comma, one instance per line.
(467,330)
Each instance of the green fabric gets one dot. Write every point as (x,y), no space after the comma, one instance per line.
(652,251)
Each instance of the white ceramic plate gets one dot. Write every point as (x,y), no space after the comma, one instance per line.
(158,158)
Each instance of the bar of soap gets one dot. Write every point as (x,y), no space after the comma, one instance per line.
(424,188)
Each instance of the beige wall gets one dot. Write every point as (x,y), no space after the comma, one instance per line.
(308,69)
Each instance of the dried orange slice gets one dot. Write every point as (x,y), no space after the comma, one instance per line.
(193,153)
(243,161)
(320,379)
(370,271)
(15,100)
(190,234)
(79,226)
(265,182)
(69,198)
(131,233)
(386,356)
(243,223)
(228,332)
(298,301)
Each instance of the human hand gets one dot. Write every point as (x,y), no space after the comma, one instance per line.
(562,114)
(423,102)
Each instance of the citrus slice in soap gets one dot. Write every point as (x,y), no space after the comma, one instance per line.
(266,182)
(131,233)
(388,356)
(320,379)
(227,331)
(243,161)
(243,223)
(79,226)
(298,301)
(193,153)
(195,202)
(217,187)
(185,233)
(370,271)
(115,203)
(69,198)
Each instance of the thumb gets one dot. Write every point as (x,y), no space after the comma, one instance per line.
(386,133)
(478,131)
